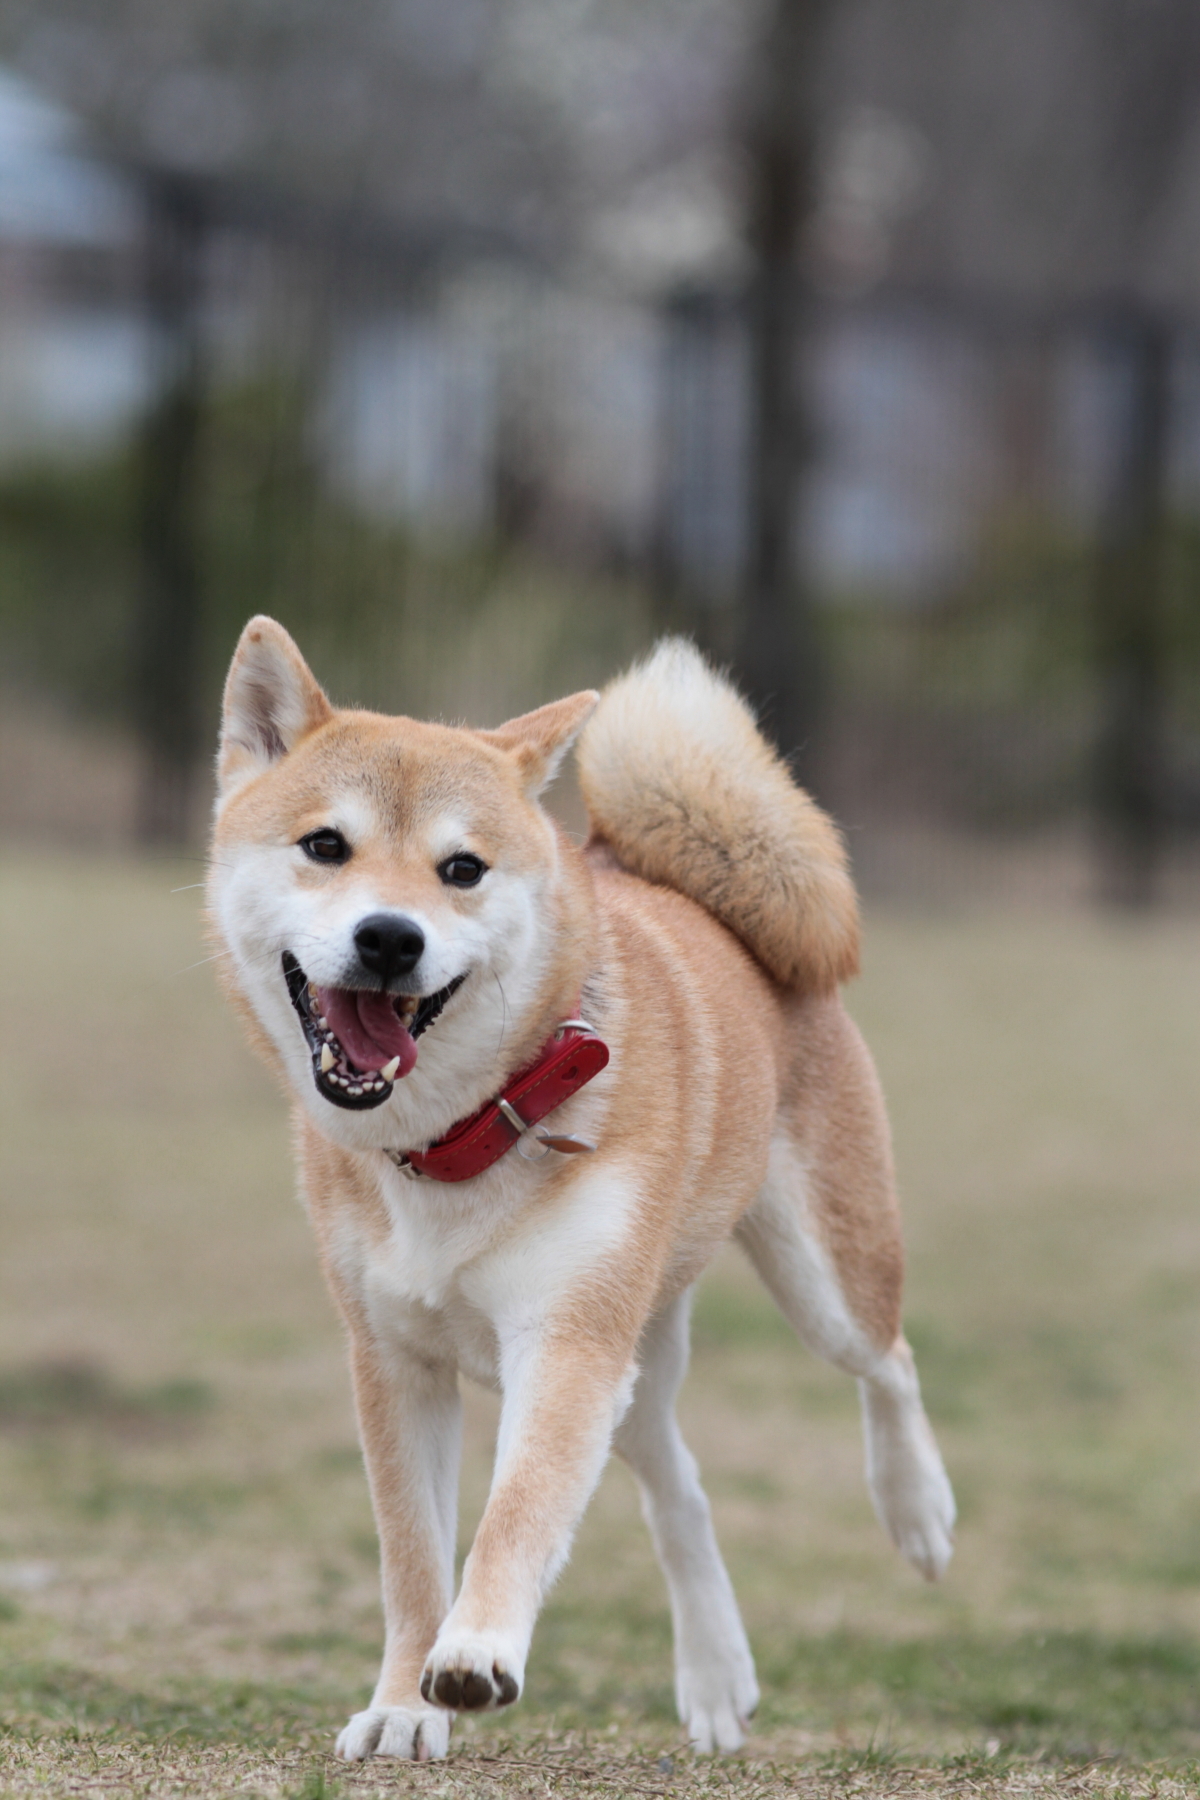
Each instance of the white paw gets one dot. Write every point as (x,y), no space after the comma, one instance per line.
(716,1699)
(413,1733)
(928,1546)
(915,1502)
(476,1672)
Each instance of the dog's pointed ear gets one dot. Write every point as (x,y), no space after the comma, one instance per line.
(538,741)
(272,700)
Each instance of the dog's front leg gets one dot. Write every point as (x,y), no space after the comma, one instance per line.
(409,1417)
(563,1395)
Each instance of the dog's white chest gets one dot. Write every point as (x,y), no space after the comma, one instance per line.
(418,1281)
(432,1320)
(464,1267)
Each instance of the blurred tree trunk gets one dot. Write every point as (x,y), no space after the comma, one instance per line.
(1129,617)
(166,651)
(1150,56)
(777,652)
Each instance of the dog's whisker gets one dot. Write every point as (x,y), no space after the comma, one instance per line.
(503,1013)
(204,960)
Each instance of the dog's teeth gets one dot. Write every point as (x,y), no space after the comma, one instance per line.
(327,1059)
(312,990)
(389,1070)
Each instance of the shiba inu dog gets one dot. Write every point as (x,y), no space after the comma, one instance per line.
(535,1088)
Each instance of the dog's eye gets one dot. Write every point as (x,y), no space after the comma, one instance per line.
(462,870)
(326,845)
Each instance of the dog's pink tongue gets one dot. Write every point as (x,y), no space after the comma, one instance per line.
(370,1033)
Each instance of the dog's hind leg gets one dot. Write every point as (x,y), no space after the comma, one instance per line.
(715,1687)
(824,1235)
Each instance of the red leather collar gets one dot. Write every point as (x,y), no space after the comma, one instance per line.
(565,1063)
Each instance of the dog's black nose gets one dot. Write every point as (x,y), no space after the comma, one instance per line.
(388,945)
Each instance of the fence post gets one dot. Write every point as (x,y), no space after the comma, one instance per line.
(167,639)
(695,549)
(1129,616)
(777,653)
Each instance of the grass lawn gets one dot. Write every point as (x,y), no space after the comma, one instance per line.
(188,1577)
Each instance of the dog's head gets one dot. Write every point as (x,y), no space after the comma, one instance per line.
(373,878)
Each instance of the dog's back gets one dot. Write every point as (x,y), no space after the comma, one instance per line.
(681,785)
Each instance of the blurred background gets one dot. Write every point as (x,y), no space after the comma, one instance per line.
(481,341)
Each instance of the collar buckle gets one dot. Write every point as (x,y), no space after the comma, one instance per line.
(571,1057)
(400,1159)
(573,1025)
(509,1113)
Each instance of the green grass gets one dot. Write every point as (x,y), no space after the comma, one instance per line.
(188,1573)
(1065,1713)
(75,1702)
(49,1394)
(1072,1695)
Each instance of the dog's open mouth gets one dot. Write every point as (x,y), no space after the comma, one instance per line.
(362,1041)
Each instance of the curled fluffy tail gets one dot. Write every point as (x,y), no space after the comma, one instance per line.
(680,783)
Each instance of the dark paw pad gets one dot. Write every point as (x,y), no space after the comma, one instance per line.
(506,1687)
(426,1684)
(476,1692)
(448,1689)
